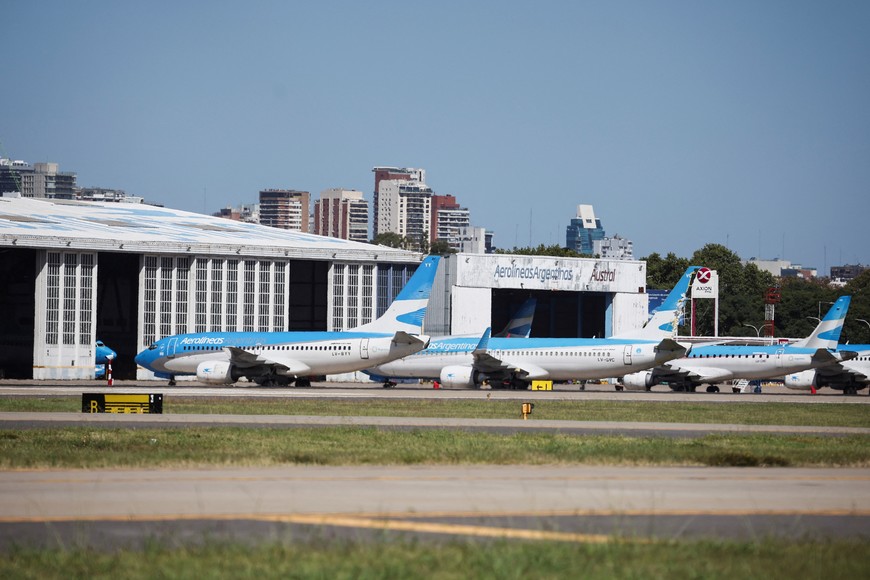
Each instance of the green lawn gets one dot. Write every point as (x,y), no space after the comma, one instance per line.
(749,413)
(762,559)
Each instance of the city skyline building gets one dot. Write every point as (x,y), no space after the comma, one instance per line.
(287,209)
(383,173)
(615,248)
(448,219)
(39,180)
(248,213)
(583,231)
(342,213)
(405,208)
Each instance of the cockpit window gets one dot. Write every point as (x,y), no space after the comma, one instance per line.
(153,346)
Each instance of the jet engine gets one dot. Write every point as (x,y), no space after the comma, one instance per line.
(459,377)
(803,380)
(218,372)
(640,381)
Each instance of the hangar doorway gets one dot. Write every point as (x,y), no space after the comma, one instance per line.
(117,309)
(18,312)
(307,295)
(557,314)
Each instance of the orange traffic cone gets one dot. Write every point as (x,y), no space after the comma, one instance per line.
(813,389)
(435,385)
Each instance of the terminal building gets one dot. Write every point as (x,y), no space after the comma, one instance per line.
(128,274)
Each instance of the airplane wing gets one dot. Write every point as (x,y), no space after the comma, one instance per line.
(247,360)
(485,362)
(402,337)
(671,345)
(670,373)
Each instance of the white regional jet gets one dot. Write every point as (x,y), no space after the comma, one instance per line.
(718,363)
(847,376)
(279,358)
(515,362)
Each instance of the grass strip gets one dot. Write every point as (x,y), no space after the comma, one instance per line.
(765,559)
(89,447)
(752,412)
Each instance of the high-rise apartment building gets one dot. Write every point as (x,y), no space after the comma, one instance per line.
(391,174)
(448,219)
(342,213)
(583,231)
(615,248)
(405,208)
(41,180)
(285,208)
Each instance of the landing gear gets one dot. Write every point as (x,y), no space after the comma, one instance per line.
(712,389)
(172,381)
(388,384)
(272,381)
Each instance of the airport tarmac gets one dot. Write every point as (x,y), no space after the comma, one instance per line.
(107,509)
(127,508)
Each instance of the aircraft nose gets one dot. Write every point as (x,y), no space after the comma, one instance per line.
(142,359)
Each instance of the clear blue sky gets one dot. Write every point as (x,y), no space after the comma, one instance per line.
(745,123)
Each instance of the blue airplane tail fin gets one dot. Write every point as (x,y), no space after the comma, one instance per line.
(665,319)
(408,309)
(520,326)
(827,333)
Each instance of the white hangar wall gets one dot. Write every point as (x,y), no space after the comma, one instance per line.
(163,271)
(466,283)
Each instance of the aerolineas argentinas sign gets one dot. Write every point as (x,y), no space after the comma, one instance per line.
(543,273)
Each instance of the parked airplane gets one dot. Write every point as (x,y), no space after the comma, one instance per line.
(518,326)
(515,362)
(717,363)
(279,358)
(847,376)
(103,354)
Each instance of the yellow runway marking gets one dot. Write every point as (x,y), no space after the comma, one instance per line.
(398,523)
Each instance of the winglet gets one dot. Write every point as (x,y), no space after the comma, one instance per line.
(827,333)
(408,309)
(665,318)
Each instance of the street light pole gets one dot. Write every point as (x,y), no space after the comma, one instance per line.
(755,328)
(865,322)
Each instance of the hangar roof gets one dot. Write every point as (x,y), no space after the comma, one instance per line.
(129,227)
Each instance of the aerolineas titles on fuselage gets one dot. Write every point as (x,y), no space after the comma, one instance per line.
(202,341)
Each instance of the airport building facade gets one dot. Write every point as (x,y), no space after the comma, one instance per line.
(129,274)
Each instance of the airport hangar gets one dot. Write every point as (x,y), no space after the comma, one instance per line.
(128,274)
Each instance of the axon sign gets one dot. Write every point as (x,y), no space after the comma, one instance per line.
(706,284)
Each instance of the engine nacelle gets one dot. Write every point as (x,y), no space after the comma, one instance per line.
(217,372)
(802,380)
(640,381)
(459,377)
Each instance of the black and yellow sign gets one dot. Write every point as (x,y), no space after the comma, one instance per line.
(122,403)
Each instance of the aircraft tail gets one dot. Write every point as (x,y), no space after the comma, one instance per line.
(408,309)
(520,326)
(827,333)
(666,317)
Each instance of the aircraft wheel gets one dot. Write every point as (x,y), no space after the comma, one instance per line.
(172,382)
(712,389)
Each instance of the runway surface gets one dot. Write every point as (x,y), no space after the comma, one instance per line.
(108,509)
(115,508)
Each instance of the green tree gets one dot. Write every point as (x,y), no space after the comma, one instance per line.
(741,293)
(440,247)
(542,250)
(664,273)
(391,240)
